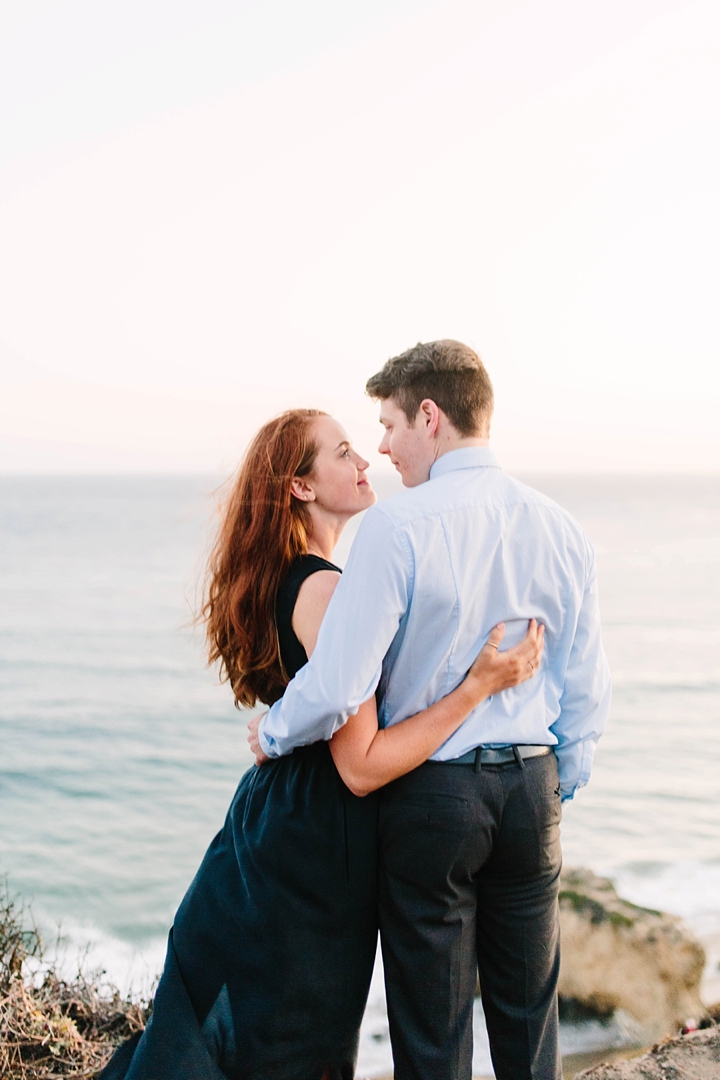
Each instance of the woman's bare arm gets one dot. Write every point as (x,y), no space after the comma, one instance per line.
(311,605)
(368,758)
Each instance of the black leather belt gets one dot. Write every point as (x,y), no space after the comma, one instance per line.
(500,755)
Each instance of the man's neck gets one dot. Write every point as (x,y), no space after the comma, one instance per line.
(448,442)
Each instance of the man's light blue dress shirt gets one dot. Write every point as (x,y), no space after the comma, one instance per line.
(431,572)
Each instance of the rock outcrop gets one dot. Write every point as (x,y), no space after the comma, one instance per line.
(692,1057)
(619,956)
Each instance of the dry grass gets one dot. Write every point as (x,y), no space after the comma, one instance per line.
(49,1026)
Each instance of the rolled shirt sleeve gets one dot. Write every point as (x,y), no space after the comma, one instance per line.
(585,700)
(361,621)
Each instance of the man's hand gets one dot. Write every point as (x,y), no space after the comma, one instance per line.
(260,755)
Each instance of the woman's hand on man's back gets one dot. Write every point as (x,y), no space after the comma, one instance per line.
(494,671)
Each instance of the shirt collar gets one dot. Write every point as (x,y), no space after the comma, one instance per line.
(468,457)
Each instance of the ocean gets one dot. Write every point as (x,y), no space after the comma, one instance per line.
(120,750)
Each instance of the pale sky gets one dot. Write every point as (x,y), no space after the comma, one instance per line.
(212,211)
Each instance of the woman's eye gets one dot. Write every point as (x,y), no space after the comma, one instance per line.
(346,453)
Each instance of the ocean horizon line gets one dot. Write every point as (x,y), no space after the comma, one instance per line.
(375,469)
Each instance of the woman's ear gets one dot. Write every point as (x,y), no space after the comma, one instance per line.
(302,490)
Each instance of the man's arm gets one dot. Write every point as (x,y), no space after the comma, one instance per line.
(585,700)
(359,625)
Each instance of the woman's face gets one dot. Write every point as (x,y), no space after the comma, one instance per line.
(337,485)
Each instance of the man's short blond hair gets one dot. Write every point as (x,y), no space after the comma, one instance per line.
(449,373)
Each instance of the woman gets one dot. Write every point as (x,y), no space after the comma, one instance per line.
(272,949)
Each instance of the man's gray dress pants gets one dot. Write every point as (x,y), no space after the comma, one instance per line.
(469,869)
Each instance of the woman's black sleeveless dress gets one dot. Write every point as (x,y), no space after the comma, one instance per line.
(271,954)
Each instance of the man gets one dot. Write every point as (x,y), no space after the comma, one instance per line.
(469,842)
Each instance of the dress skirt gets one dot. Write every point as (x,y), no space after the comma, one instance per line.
(270,957)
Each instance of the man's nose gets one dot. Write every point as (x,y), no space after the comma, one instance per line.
(384,447)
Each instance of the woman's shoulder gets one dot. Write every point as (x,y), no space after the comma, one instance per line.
(310,564)
(302,597)
(302,568)
(309,573)
(318,586)
(311,603)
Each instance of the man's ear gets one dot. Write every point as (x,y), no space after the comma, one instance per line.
(302,490)
(428,416)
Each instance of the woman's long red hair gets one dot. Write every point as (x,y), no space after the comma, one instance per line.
(263,529)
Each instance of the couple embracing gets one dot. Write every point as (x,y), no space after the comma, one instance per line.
(409,775)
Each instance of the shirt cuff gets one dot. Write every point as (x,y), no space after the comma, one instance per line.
(574,765)
(267,743)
